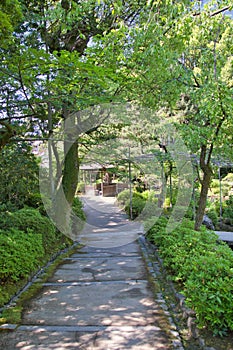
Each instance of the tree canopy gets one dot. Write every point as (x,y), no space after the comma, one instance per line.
(64,56)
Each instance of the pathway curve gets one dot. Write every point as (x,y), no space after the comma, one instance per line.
(107,225)
(98,299)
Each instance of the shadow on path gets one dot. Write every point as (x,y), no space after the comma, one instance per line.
(107,225)
(98,298)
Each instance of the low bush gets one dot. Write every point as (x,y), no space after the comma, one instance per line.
(20,254)
(203,267)
(78,216)
(213,216)
(138,204)
(228,179)
(141,201)
(30,220)
(77,208)
(81,187)
(123,197)
(228,210)
(18,183)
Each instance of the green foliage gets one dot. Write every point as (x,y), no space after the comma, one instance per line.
(78,216)
(228,210)
(20,254)
(27,241)
(145,202)
(229,179)
(215,187)
(77,208)
(10,15)
(138,204)
(212,214)
(188,213)
(213,211)
(203,267)
(30,220)
(123,197)
(153,229)
(81,187)
(18,185)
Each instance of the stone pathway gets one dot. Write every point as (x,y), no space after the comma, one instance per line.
(226,237)
(98,298)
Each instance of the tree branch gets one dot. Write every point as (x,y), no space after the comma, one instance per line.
(24,91)
(220,11)
(213,13)
(218,128)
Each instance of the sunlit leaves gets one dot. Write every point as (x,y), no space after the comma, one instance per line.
(10,15)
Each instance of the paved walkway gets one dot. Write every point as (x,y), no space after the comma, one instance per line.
(225,236)
(107,225)
(99,298)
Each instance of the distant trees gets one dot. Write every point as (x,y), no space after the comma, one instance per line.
(185,66)
(206,122)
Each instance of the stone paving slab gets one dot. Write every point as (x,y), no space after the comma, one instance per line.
(94,315)
(134,338)
(100,269)
(94,304)
(98,299)
(121,250)
(93,236)
(225,236)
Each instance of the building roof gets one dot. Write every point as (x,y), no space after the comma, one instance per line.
(95,166)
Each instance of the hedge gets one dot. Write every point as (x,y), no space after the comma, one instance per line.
(20,254)
(30,220)
(203,267)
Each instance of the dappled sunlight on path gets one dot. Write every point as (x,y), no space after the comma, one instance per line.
(107,225)
(99,297)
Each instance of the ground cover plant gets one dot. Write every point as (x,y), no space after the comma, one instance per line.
(30,220)
(202,267)
(28,240)
(145,202)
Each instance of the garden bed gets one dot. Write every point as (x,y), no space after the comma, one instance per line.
(202,269)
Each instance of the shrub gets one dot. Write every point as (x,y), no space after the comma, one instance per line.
(30,220)
(204,268)
(141,201)
(228,210)
(151,209)
(18,183)
(78,216)
(138,204)
(154,226)
(77,208)
(20,254)
(213,216)
(35,201)
(228,179)
(123,197)
(81,187)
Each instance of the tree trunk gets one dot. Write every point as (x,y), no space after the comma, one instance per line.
(70,173)
(65,194)
(203,198)
(67,188)
(205,184)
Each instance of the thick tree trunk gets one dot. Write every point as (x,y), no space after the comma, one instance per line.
(67,188)
(70,173)
(205,184)
(203,198)
(66,191)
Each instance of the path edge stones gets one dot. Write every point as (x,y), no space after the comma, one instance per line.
(157,270)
